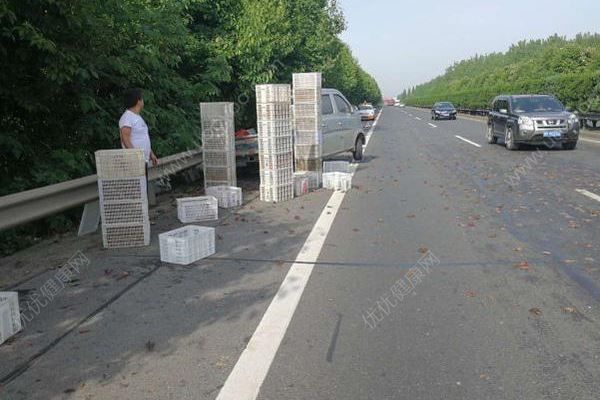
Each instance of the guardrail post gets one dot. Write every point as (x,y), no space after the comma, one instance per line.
(90,219)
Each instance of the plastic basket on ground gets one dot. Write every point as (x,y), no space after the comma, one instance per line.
(12,298)
(186,245)
(336,166)
(337,181)
(273,93)
(121,163)
(306,80)
(196,209)
(277,193)
(277,177)
(227,196)
(300,184)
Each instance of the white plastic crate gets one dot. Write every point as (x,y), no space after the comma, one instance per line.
(273,128)
(227,196)
(307,138)
(314,179)
(336,166)
(127,235)
(111,190)
(277,177)
(275,145)
(300,184)
(308,124)
(337,181)
(133,212)
(186,245)
(277,194)
(120,163)
(216,110)
(196,209)
(308,151)
(306,80)
(225,175)
(6,322)
(307,111)
(273,93)
(12,298)
(218,158)
(309,95)
(276,161)
(273,111)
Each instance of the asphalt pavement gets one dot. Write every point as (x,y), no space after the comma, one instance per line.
(452,269)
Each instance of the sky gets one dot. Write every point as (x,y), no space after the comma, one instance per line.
(405,43)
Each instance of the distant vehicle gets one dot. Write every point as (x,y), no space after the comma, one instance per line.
(443,110)
(532,119)
(388,102)
(367,112)
(396,103)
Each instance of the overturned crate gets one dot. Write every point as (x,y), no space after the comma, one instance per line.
(227,196)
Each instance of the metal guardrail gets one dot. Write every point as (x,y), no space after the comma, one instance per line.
(20,208)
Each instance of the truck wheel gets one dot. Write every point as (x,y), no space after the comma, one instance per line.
(509,139)
(491,138)
(357,154)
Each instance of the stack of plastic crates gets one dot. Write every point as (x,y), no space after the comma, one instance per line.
(275,142)
(337,181)
(123,198)
(308,136)
(218,144)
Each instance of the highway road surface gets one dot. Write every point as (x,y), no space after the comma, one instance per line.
(453,269)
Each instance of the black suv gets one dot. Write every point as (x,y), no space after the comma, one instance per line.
(532,119)
(443,110)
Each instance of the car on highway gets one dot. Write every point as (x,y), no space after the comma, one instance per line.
(532,119)
(443,110)
(342,128)
(367,112)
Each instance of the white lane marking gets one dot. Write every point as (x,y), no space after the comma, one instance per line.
(588,194)
(251,369)
(432,125)
(467,140)
(590,140)
(417,118)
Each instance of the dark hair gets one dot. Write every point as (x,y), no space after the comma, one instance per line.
(131,97)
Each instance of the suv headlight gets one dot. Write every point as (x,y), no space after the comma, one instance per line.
(573,120)
(526,124)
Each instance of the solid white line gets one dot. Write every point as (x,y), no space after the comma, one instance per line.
(588,194)
(432,125)
(251,369)
(590,140)
(418,118)
(467,140)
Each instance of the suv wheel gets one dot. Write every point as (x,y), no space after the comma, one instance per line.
(509,139)
(491,138)
(357,154)
(569,145)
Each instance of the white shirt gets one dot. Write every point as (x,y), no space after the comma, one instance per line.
(139,132)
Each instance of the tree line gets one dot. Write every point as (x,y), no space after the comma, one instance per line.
(66,63)
(568,69)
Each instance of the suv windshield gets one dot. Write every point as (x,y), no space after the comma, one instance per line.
(445,106)
(536,104)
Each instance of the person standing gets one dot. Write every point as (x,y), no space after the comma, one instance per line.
(133,128)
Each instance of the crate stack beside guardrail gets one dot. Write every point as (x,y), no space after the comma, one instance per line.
(123,198)
(218,144)
(275,142)
(308,134)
